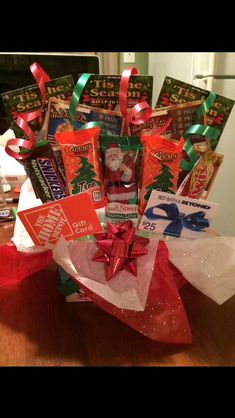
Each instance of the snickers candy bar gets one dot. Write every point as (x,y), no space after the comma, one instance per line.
(41,167)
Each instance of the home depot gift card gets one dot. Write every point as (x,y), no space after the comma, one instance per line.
(71,217)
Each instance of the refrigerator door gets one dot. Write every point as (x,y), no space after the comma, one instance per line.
(223,190)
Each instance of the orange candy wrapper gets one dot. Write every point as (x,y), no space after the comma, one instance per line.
(160,166)
(81,158)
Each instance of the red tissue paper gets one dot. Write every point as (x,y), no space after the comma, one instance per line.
(164,318)
(16,265)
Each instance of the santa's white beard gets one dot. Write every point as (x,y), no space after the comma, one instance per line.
(113,165)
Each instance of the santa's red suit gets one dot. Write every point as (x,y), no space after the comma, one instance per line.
(124,174)
(113,176)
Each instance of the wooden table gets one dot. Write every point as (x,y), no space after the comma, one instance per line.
(39,328)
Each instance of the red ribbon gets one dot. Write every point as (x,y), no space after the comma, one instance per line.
(164,127)
(119,248)
(140,112)
(41,78)
(28,145)
(124,89)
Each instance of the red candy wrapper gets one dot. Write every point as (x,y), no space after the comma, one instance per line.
(160,166)
(81,158)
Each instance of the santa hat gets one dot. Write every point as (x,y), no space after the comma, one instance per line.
(113,146)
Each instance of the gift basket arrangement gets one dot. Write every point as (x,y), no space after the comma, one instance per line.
(117,194)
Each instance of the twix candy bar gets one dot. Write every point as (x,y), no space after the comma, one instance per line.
(199,181)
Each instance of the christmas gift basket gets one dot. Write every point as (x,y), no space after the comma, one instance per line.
(117,194)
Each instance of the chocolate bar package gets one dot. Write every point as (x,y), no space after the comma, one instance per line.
(198,183)
(42,169)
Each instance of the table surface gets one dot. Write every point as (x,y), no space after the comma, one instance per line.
(39,328)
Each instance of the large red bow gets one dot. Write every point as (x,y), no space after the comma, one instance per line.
(119,248)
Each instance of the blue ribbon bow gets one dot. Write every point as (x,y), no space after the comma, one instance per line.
(194,221)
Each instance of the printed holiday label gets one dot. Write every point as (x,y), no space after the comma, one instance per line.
(177,216)
(120,212)
(71,217)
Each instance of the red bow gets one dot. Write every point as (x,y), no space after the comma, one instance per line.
(119,248)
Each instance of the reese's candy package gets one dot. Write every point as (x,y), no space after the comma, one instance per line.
(199,181)
(42,169)
(160,166)
(81,157)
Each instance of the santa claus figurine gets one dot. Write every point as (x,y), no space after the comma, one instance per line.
(119,174)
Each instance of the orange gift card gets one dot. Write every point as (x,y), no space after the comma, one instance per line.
(71,217)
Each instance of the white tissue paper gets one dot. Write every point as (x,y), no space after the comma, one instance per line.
(21,238)
(207,263)
(10,168)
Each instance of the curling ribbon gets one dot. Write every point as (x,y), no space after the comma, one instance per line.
(132,116)
(136,115)
(41,78)
(124,88)
(208,131)
(206,105)
(164,127)
(76,96)
(194,221)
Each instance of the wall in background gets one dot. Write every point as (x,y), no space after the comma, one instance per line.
(177,65)
(141,62)
(109,62)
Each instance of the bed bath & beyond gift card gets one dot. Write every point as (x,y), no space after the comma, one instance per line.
(177,216)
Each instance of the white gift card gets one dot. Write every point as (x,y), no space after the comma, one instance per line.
(177,216)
